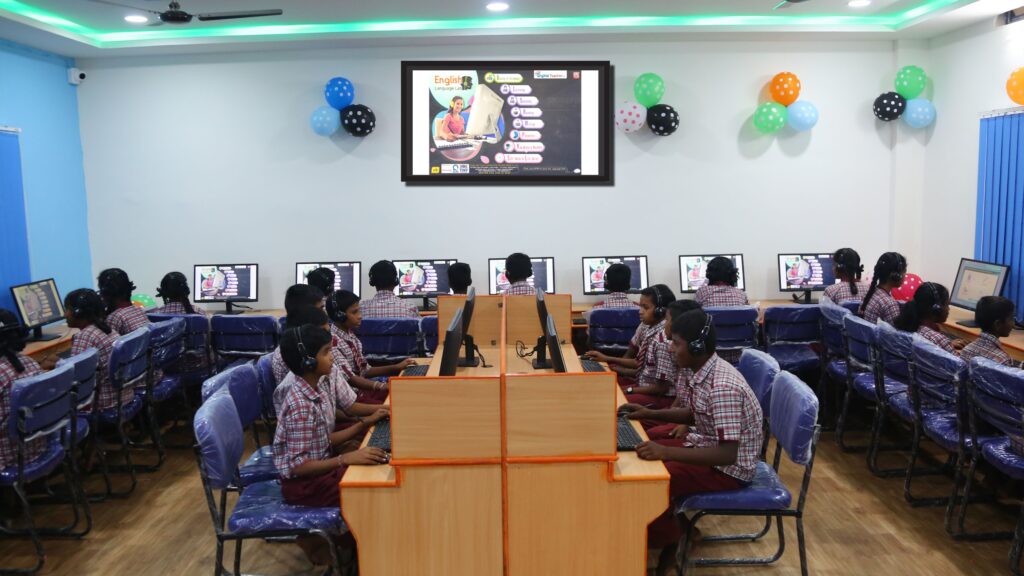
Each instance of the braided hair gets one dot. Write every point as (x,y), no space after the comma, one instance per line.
(847,262)
(174,288)
(12,339)
(891,266)
(929,300)
(87,306)
(115,287)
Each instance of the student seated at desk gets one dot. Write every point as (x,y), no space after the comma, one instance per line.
(175,293)
(322,278)
(343,310)
(617,279)
(848,270)
(298,299)
(721,289)
(878,303)
(384,304)
(83,309)
(519,268)
(460,278)
(925,313)
(995,317)
(116,291)
(680,387)
(639,367)
(14,366)
(722,446)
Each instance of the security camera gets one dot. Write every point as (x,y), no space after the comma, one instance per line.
(75,76)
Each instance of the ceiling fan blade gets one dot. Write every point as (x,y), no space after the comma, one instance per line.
(109,3)
(236,15)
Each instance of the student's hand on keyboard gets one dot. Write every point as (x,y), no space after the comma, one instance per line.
(634,411)
(364,457)
(406,363)
(380,414)
(595,355)
(650,451)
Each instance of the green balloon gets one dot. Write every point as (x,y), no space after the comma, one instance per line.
(648,89)
(770,117)
(143,300)
(910,82)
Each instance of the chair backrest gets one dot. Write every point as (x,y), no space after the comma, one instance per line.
(794,417)
(860,342)
(736,327)
(852,305)
(167,342)
(832,315)
(759,370)
(129,359)
(242,383)
(389,336)
(795,323)
(219,438)
(41,404)
(895,351)
(938,375)
(247,335)
(997,395)
(613,326)
(267,382)
(84,365)
(428,327)
(197,328)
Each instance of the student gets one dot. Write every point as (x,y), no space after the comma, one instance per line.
(639,368)
(878,303)
(14,366)
(322,278)
(681,387)
(301,296)
(343,310)
(721,289)
(722,446)
(384,304)
(925,313)
(995,317)
(518,268)
(617,279)
(116,291)
(174,291)
(302,314)
(83,309)
(848,270)
(460,278)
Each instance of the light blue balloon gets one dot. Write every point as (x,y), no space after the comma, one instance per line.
(920,113)
(802,115)
(325,121)
(339,92)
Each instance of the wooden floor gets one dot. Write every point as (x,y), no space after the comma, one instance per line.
(856,524)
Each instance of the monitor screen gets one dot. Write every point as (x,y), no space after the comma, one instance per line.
(346,274)
(419,278)
(543,274)
(38,303)
(692,270)
(223,282)
(976,279)
(798,272)
(595,266)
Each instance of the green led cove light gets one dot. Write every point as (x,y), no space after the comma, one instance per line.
(102,39)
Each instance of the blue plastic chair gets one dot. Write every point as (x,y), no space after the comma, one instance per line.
(267,384)
(82,426)
(260,511)
(759,369)
(243,336)
(166,349)
(736,328)
(789,333)
(196,366)
(794,423)
(834,343)
(428,334)
(242,383)
(388,340)
(863,374)
(128,369)
(611,329)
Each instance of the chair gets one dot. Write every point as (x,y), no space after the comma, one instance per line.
(611,329)
(863,376)
(736,328)
(428,334)
(388,340)
(759,370)
(834,344)
(243,337)
(267,383)
(242,383)
(128,368)
(196,366)
(41,407)
(282,323)
(794,423)
(789,332)
(166,348)
(260,511)
(83,426)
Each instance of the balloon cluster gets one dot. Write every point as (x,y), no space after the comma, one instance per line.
(785,109)
(1015,86)
(631,116)
(357,119)
(906,102)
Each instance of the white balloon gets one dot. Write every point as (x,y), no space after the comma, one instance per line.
(630,116)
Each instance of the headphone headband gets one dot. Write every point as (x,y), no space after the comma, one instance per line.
(699,346)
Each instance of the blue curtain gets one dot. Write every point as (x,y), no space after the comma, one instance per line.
(999,232)
(14,265)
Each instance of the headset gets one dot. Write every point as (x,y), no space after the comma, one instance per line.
(901,262)
(77,304)
(393,276)
(340,316)
(936,304)
(175,282)
(659,306)
(698,346)
(309,363)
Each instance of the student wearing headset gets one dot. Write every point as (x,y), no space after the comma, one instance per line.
(925,313)
(384,304)
(175,293)
(14,366)
(878,303)
(723,442)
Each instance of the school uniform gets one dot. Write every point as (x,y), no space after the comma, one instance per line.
(616,300)
(93,337)
(882,306)
(987,346)
(658,430)
(304,425)
(385,304)
(521,288)
(343,394)
(659,365)
(278,367)
(179,308)
(127,319)
(714,296)
(938,338)
(8,447)
(642,339)
(842,293)
(347,355)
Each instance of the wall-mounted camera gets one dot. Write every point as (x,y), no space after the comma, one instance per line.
(75,76)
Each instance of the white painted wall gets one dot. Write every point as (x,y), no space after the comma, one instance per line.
(210,158)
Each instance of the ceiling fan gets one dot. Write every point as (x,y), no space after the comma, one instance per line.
(786,3)
(175,15)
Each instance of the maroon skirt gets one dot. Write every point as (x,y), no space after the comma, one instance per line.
(320,491)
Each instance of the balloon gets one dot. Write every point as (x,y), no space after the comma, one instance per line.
(143,300)
(648,89)
(770,117)
(785,88)
(629,116)
(889,106)
(905,291)
(358,120)
(910,81)
(920,113)
(1015,86)
(802,115)
(325,121)
(663,119)
(339,92)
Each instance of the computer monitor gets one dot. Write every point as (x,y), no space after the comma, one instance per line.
(469,359)
(346,274)
(805,273)
(594,268)
(484,113)
(422,278)
(38,304)
(543,275)
(542,315)
(974,280)
(452,345)
(226,283)
(554,347)
(693,270)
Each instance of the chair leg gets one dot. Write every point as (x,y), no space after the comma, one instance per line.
(1018,544)
(801,544)
(31,531)
(915,450)
(960,532)
(841,419)
(218,568)
(129,466)
(238,557)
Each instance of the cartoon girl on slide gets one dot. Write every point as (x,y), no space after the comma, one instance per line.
(452,125)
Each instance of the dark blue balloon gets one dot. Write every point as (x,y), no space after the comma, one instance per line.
(339,92)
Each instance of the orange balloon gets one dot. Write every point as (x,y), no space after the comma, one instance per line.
(785,88)
(1015,86)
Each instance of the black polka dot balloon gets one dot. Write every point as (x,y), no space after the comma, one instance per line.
(358,120)
(663,119)
(890,106)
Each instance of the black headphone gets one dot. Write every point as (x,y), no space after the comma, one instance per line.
(77,304)
(900,262)
(308,362)
(698,346)
(393,276)
(936,305)
(339,315)
(14,329)
(659,305)
(173,282)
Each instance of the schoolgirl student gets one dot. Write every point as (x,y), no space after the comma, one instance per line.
(518,269)
(925,313)
(848,270)
(878,303)
(175,294)
(14,366)
(322,278)
(299,301)
(116,290)
(720,289)
(385,304)
(84,310)
(638,368)
(995,317)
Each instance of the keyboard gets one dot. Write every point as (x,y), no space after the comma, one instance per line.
(418,370)
(381,436)
(455,145)
(592,365)
(628,437)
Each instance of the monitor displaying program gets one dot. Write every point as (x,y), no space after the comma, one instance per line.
(594,268)
(346,274)
(543,275)
(976,279)
(223,282)
(693,270)
(38,303)
(421,278)
(799,272)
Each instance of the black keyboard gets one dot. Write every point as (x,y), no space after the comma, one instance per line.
(628,438)
(418,370)
(381,436)
(592,365)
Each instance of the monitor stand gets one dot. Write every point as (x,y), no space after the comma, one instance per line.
(38,336)
(469,359)
(426,306)
(541,362)
(805,299)
(228,310)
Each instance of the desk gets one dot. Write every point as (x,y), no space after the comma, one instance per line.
(39,350)
(1013,344)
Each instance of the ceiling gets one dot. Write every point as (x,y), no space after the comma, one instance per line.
(90,29)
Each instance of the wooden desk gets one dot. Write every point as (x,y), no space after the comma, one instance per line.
(39,350)
(1013,344)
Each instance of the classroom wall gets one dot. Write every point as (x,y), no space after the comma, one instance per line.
(35,96)
(210,158)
